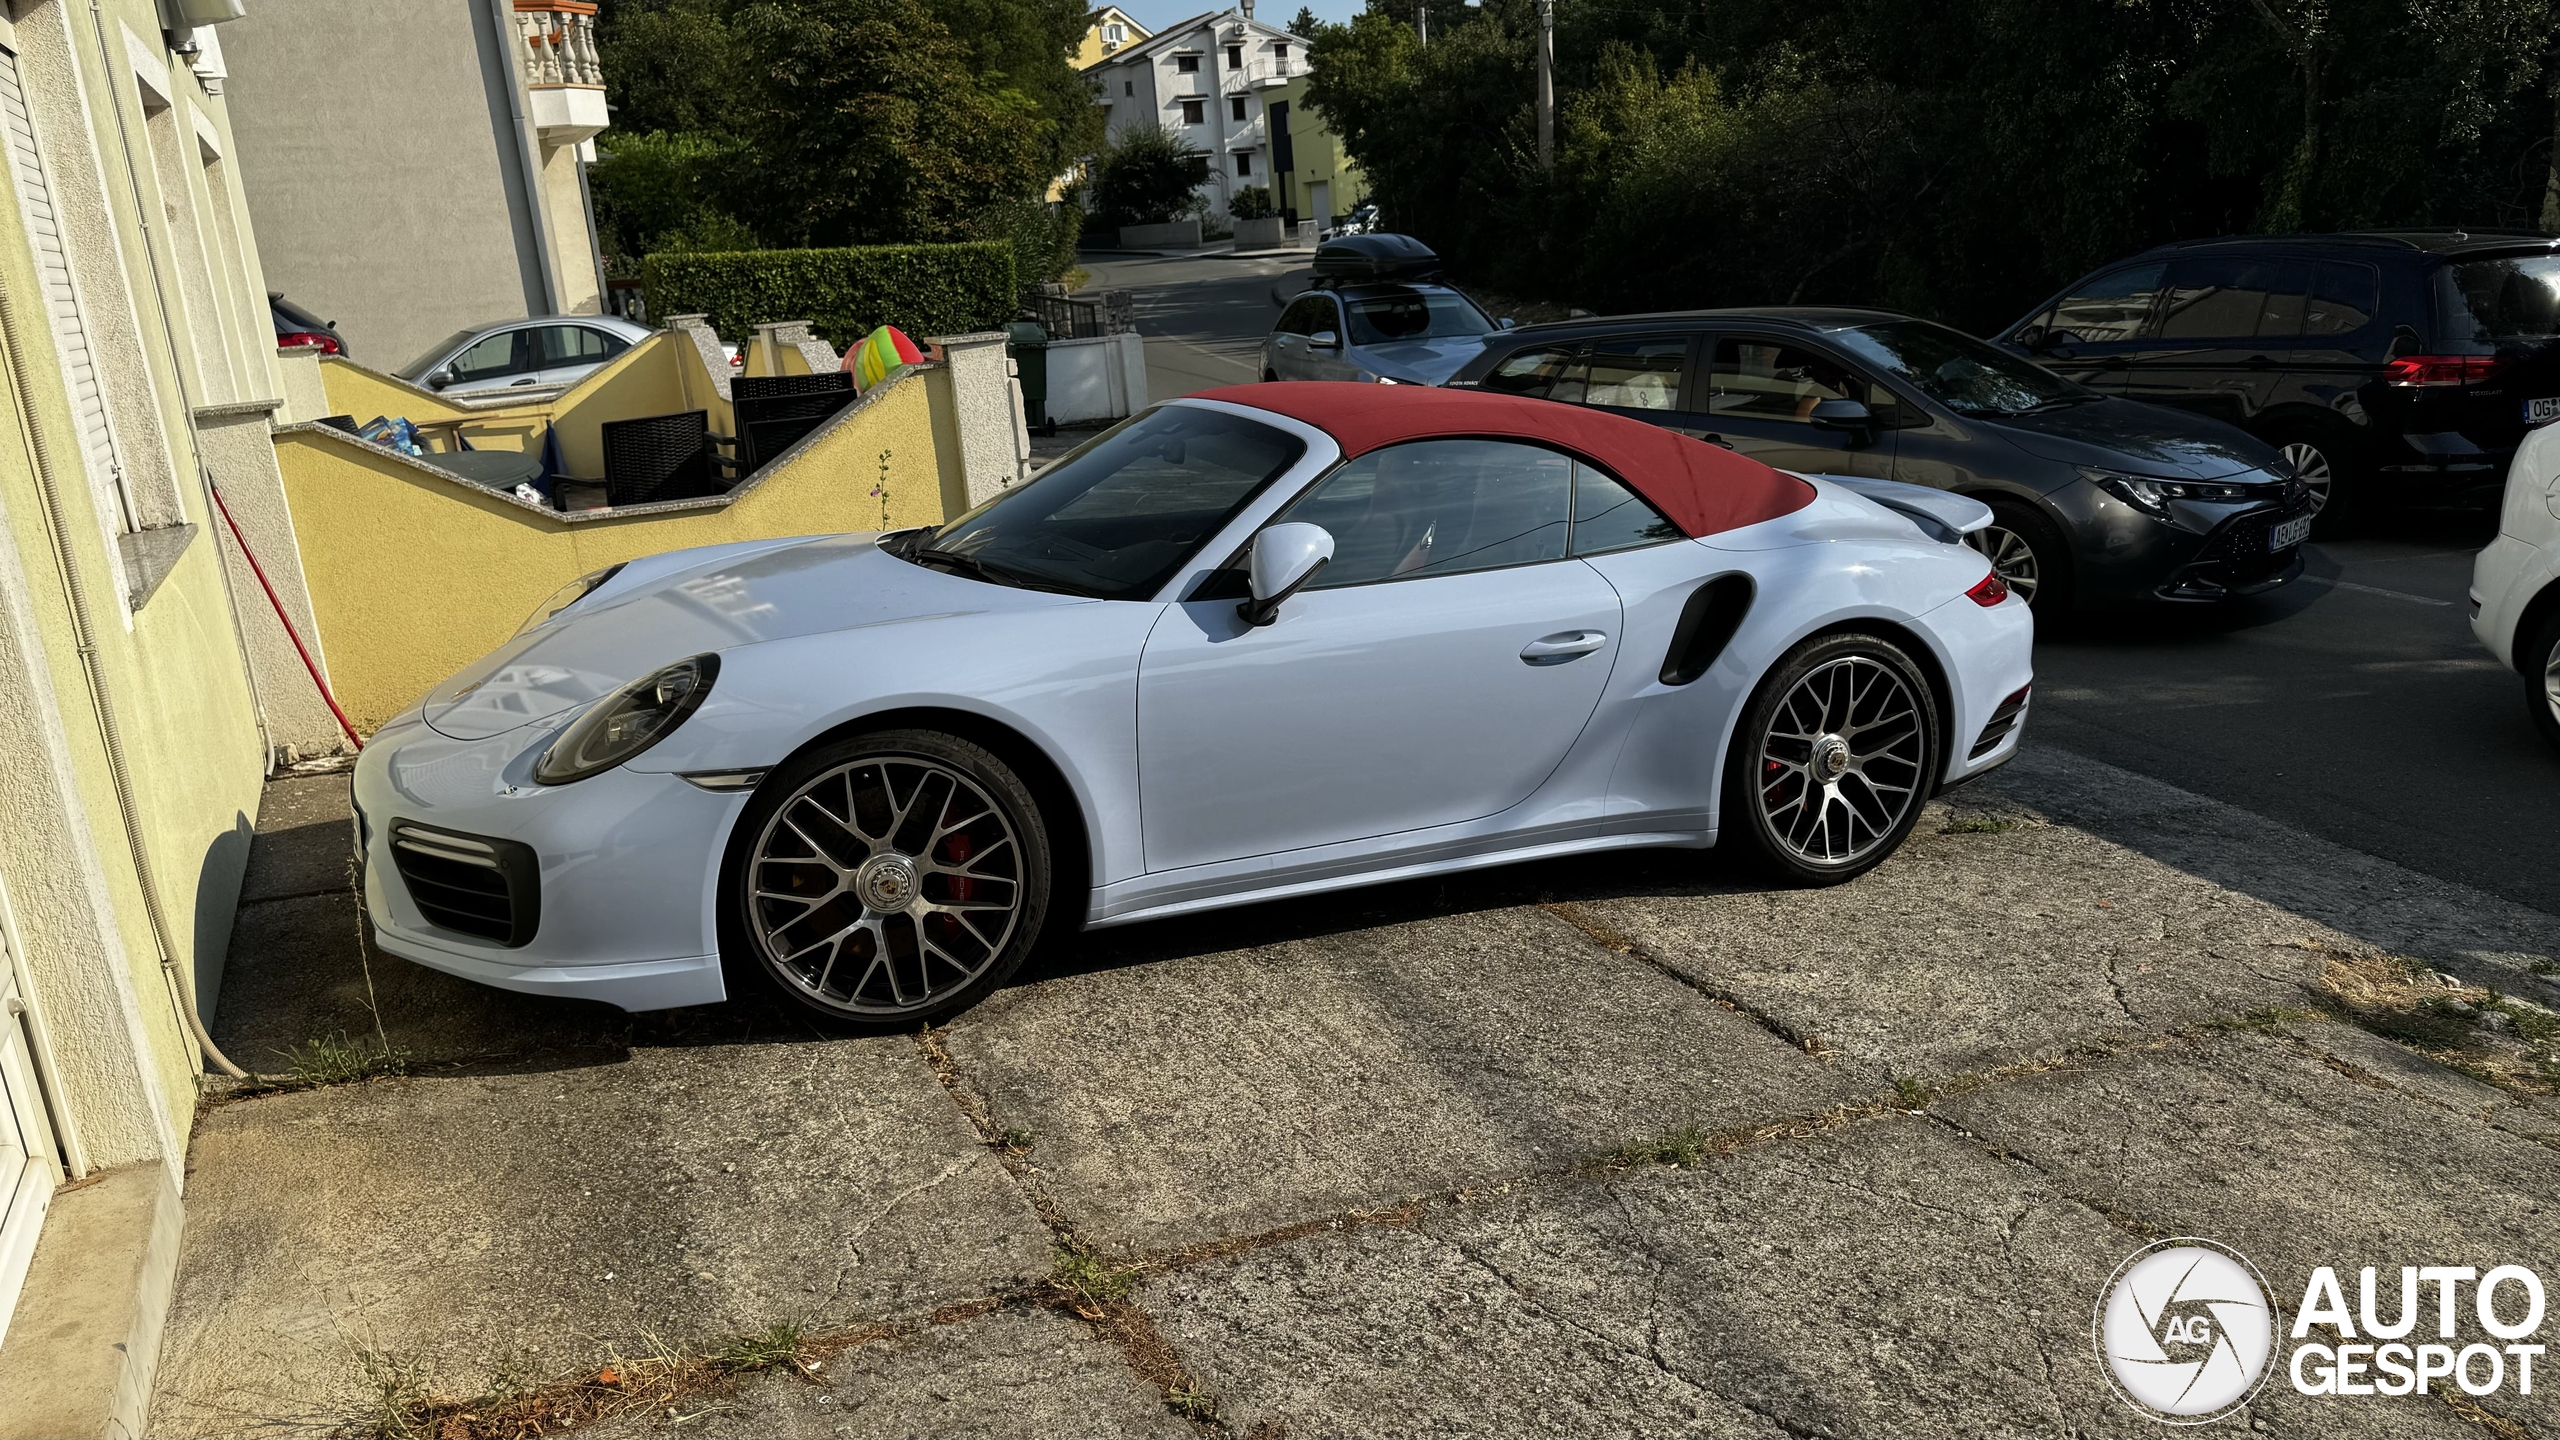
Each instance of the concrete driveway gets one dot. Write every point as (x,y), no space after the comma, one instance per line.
(1616,1146)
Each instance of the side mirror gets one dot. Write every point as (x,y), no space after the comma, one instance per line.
(2035,340)
(1325,340)
(1284,559)
(1506,322)
(1842,415)
(439,377)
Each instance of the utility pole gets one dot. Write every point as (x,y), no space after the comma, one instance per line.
(1547,85)
(1422,19)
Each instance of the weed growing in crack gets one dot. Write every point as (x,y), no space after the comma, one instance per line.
(336,1060)
(2265,1020)
(400,1404)
(1981,825)
(1913,1094)
(1682,1149)
(2477,1031)
(1014,1140)
(1192,1403)
(1085,1284)
(780,1345)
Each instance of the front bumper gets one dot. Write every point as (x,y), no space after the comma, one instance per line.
(625,866)
(2199,554)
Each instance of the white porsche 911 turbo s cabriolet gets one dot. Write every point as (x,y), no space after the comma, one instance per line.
(1257,642)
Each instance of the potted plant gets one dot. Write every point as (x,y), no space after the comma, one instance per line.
(1258,222)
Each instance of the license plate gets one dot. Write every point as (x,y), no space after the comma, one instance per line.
(2289,534)
(2541,412)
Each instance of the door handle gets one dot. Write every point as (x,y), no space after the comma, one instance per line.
(2259,362)
(1558,648)
(528,380)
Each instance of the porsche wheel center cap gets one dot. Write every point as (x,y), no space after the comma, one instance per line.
(886,882)
(1830,758)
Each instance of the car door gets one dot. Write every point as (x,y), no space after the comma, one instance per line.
(570,353)
(1435,672)
(2092,334)
(1757,396)
(1328,361)
(2224,329)
(504,360)
(1285,353)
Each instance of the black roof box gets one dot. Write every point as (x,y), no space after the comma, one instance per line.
(1355,258)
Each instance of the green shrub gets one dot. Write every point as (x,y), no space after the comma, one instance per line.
(922,289)
(1253,202)
(1146,177)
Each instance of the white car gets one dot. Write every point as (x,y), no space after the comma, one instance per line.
(543,353)
(2515,583)
(1258,642)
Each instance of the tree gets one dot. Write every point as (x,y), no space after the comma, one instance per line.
(1147,177)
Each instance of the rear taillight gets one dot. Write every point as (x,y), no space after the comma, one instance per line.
(1990,592)
(2426,370)
(327,342)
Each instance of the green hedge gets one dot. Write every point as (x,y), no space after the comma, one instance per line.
(922,289)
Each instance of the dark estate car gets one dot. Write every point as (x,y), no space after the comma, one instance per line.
(2387,365)
(2094,499)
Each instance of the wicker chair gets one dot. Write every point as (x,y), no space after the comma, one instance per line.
(659,457)
(776,411)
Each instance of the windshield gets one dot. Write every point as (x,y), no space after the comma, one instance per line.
(1394,315)
(2513,297)
(1966,375)
(1115,519)
(417,369)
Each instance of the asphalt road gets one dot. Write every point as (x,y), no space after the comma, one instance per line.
(2353,704)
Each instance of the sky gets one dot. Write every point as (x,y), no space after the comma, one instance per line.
(1156,14)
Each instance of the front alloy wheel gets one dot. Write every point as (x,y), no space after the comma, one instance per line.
(2311,465)
(2011,556)
(895,878)
(1834,758)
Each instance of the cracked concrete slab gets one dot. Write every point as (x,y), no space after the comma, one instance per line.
(1012,1372)
(1884,1278)
(2259,1142)
(1211,1094)
(530,1224)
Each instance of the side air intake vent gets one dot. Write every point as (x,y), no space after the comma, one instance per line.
(470,884)
(1707,623)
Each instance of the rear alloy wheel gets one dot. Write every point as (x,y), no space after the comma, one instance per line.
(889,879)
(2328,474)
(1834,757)
(2027,553)
(2539,658)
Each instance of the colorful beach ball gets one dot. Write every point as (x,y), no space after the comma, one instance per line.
(880,352)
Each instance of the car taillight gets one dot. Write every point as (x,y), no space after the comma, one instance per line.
(2425,370)
(328,343)
(1990,592)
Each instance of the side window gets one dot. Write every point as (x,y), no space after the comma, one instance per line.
(1637,372)
(2344,297)
(1769,380)
(1552,372)
(1440,507)
(2112,307)
(1608,516)
(1301,316)
(2229,298)
(509,352)
(577,345)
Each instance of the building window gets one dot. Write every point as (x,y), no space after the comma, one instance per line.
(1235,107)
(1280,51)
(1128,87)
(1186,64)
(1194,111)
(1235,57)
(1244,163)
(1114,34)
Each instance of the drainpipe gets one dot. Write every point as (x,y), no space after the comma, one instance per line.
(528,150)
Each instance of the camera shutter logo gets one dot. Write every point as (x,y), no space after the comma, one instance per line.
(2186,1329)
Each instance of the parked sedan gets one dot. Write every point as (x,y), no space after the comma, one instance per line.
(1396,333)
(2095,500)
(296,326)
(541,353)
(1262,641)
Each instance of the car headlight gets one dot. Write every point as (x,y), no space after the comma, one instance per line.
(628,721)
(2152,496)
(568,595)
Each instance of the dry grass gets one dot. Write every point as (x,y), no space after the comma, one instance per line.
(2476,1030)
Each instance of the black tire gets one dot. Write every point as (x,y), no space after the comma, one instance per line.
(2536,655)
(2324,454)
(1758,821)
(2043,576)
(971,911)
(1270,377)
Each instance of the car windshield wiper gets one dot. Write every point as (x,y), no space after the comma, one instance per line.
(993,574)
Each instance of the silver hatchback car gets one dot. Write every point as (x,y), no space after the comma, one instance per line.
(544,352)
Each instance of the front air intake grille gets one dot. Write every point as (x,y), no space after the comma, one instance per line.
(470,884)
(2003,720)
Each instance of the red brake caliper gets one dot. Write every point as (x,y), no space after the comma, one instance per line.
(955,851)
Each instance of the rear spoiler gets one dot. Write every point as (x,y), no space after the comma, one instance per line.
(1939,515)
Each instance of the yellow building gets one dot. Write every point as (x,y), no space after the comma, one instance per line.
(1106,31)
(134,315)
(1311,177)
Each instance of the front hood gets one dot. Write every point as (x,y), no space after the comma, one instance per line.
(840,582)
(1425,362)
(2138,439)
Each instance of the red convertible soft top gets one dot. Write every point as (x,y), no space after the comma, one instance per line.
(1703,488)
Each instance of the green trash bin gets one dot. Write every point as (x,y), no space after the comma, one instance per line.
(1028,344)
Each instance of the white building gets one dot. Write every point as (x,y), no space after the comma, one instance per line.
(1205,79)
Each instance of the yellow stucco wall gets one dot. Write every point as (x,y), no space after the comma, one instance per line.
(413,575)
(1090,51)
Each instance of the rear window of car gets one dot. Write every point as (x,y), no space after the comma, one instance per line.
(1383,319)
(2507,297)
